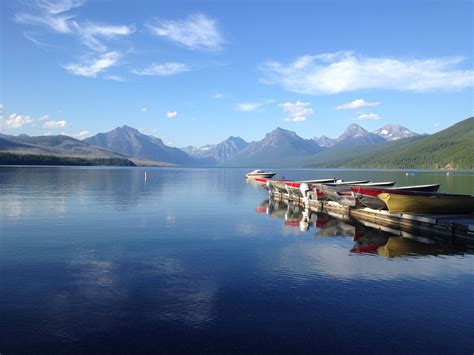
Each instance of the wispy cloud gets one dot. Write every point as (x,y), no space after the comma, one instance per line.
(165,69)
(56,15)
(197,31)
(31,37)
(249,106)
(297,111)
(358,103)
(90,32)
(91,67)
(58,6)
(114,78)
(50,14)
(57,23)
(218,95)
(80,135)
(144,109)
(332,73)
(368,117)
(171,114)
(55,124)
(252,106)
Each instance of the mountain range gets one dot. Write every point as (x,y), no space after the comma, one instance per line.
(279,148)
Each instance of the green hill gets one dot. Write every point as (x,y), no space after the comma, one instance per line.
(40,159)
(450,148)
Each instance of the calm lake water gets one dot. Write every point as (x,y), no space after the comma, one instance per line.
(198,260)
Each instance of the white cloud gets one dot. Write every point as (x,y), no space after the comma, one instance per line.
(58,6)
(171,114)
(55,124)
(197,31)
(358,103)
(252,106)
(436,124)
(81,135)
(114,78)
(368,117)
(89,32)
(297,112)
(218,95)
(17,121)
(332,73)
(91,67)
(144,109)
(31,37)
(107,31)
(50,14)
(249,106)
(56,23)
(165,69)
(55,15)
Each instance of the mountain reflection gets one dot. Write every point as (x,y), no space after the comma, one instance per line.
(368,239)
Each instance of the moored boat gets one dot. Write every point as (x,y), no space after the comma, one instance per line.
(330,190)
(402,201)
(260,174)
(297,184)
(367,195)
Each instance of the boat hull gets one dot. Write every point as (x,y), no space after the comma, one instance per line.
(368,195)
(260,175)
(428,203)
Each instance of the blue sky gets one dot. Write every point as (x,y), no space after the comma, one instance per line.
(196,72)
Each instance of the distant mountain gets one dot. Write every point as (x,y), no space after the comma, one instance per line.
(355,135)
(129,141)
(393,132)
(450,148)
(221,152)
(276,148)
(53,145)
(324,141)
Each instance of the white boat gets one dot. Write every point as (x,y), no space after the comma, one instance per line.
(260,174)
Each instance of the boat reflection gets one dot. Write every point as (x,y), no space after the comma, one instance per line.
(369,238)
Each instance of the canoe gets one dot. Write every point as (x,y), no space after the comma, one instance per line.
(367,195)
(427,202)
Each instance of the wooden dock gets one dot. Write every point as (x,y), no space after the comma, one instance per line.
(458,228)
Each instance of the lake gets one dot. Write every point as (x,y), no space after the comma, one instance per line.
(199,260)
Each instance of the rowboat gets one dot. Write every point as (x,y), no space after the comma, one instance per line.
(367,195)
(260,174)
(277,185)
(294,187)
(330,190)
(297,184)
(427,202)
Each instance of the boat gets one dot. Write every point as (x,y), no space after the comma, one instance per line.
(330,190)
(367,195)
(260,174)
(297,184)
(403,201)
(277,186)
(294,187)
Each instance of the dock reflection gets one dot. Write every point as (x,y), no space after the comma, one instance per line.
(369,238)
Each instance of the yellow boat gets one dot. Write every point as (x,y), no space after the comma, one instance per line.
(427,203)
